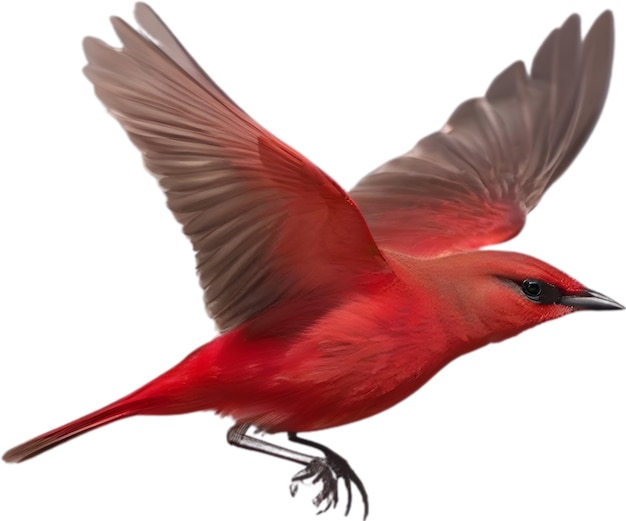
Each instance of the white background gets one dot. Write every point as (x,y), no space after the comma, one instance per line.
(99,295)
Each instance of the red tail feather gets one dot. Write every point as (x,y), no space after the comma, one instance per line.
(108,414)
(186,387)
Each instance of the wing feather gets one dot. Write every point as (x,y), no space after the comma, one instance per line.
(473,183)
(269,228)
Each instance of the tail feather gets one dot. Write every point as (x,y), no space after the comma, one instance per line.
(48,440)
(186,387)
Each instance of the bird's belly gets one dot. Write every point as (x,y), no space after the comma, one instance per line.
(360,359)
(335,383)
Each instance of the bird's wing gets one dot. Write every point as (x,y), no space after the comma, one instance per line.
(472,183)
(267,225)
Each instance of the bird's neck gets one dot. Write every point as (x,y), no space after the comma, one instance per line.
(445,307)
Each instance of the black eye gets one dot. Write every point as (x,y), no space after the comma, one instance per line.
(532,288)
(541,292)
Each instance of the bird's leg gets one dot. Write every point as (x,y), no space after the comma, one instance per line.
(237,436)
(328,470)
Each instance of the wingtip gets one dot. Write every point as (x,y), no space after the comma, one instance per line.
(505,82)
(605,23)
(90,43)
(87,43)
(142,9)
(145,17)
(602,28)
(92,48)
(116,21)
(574,18)
(606,17)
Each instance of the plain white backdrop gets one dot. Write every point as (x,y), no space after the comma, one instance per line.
(99,295)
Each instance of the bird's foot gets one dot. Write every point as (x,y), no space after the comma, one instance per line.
(329,471)
(318,470)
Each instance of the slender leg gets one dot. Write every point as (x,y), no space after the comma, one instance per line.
(328,470)
(237,436)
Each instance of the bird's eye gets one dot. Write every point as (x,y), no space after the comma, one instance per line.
(541,292)
(532,288)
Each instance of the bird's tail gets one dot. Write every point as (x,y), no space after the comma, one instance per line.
(42,443)
(187,387)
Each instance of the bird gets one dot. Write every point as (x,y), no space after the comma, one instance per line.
(333,306)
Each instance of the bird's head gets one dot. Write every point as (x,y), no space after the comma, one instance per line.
(506,292)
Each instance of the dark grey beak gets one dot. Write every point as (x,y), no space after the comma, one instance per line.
(589,299)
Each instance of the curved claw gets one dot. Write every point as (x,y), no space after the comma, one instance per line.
(319,470)
(354,478)
(349,491)
(344,471)
(329,471)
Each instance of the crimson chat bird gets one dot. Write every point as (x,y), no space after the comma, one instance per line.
(332,305)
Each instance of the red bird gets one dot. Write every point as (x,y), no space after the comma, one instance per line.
(334,306)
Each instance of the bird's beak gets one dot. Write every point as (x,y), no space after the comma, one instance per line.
(589,299)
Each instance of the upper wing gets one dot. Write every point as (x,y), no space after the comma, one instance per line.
(266,224)
(472,183)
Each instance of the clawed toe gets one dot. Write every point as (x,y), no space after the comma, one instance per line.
(318,471)
(329,471)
